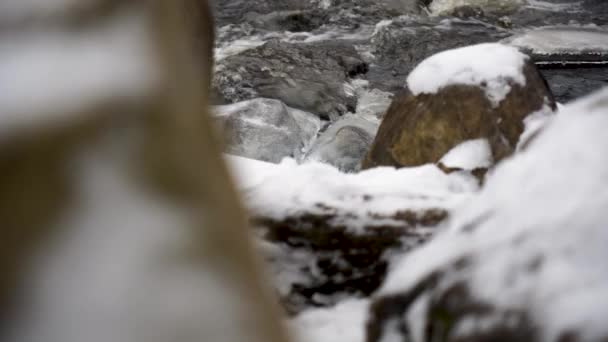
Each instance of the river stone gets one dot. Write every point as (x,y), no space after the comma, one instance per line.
(421,129)
(344,143)
(266,129)
(401,44)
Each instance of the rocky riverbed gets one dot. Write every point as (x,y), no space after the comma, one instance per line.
(318,90)
(347,59)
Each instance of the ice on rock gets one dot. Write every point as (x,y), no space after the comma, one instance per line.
(490,66)
(550,202)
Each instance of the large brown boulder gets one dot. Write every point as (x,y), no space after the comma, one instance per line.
(456,96)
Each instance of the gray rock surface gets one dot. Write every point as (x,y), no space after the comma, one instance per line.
(266,129)
(344,143)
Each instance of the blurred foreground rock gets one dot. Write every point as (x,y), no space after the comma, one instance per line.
(118,219)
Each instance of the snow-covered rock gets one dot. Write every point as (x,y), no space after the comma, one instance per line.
(281,191)
(525,260)
(266,129)
(482,91)
(493,67)
(328,235)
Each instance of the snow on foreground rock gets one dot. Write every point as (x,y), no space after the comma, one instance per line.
(525,260)
(327,235)
(288,189)
(469,155)
(491,66)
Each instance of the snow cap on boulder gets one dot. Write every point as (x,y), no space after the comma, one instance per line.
(490,66)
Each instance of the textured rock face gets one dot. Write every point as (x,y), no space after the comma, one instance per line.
(304,76)
(344,143)
(345,149)
(266,129)
(521,262)
(421,129)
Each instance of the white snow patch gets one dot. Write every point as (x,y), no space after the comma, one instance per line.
(536,230)
(416,319)
(490,66)
(345,322)
(534,123)
(469,155)
(288,189)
